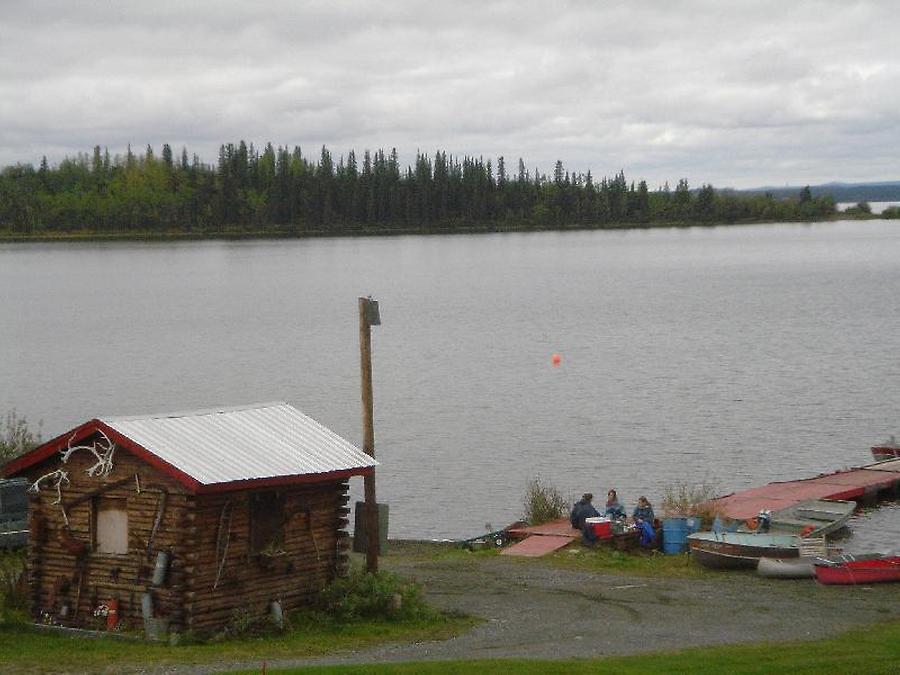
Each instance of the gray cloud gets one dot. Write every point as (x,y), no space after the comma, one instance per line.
(740,93)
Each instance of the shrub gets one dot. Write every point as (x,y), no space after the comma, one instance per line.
(15,436)
(12,598)
(691,499)
(373,596)
(245,622)
(543,503)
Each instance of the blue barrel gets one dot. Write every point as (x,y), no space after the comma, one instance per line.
(675,532)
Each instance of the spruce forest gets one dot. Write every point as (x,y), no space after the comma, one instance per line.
(280,190)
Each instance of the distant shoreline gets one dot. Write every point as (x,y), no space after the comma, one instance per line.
(285,233)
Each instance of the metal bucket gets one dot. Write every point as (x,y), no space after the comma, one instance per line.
(159,570)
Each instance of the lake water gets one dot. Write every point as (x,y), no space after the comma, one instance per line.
(733,355)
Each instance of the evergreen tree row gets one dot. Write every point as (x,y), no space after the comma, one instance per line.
(280,189)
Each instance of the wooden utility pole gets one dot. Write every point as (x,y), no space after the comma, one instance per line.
(368,317)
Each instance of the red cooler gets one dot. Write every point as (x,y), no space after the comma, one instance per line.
(602,527)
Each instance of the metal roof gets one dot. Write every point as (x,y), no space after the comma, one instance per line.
(261,441)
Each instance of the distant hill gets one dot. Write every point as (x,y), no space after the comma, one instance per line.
(886,191)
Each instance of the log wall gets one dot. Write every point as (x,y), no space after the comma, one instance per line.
(220,580)
(207,580)
(67,585)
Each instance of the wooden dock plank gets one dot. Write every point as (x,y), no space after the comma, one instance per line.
(560,528)
(848,484)
(537,545)
(857,478)
(892,465)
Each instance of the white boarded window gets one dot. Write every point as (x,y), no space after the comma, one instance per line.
(111,532)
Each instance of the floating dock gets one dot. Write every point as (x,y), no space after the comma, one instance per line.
(540,540)
(864,483)
(861,484)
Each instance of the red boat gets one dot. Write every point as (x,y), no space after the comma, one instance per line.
(886,451)
(873,571)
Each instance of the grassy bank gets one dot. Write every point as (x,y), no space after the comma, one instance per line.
(27,648)
(869,650)
(611,561)
(602,559)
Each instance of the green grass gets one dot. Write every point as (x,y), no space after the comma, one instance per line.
(577,557)
(601,559)
(26,648)
(871,651)
(639,563)
(11,568)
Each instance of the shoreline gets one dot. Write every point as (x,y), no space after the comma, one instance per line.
(279,233)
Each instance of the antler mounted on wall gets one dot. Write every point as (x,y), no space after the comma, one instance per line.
(102,451)
(60,476)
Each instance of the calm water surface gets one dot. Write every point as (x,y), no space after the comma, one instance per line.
(734,355)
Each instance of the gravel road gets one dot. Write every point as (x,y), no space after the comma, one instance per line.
(532,610)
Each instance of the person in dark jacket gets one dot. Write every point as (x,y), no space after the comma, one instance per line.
(582,509)
(643,511)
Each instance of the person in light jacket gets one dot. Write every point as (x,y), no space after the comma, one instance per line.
(614,509)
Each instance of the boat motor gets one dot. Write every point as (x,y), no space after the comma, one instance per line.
(763,520)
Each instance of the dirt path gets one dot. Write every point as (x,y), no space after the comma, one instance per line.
(535,611)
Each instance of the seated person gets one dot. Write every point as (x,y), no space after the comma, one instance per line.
(648,534)
(643,511)
(582,509)
(614,510)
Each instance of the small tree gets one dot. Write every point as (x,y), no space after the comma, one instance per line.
(543,502)
(16,438)
(691,499)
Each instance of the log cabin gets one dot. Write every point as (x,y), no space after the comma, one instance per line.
(181,520)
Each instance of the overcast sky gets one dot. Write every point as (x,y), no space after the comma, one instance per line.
(733,93)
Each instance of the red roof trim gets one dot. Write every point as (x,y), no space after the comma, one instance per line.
(50,448)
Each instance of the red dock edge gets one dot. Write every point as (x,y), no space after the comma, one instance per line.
(852,484)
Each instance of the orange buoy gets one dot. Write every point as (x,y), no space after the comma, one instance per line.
(556,359)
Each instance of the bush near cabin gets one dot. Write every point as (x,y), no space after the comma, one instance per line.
(16,437)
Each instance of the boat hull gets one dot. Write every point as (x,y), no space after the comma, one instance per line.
(740,551)
(814,517)
(877,571)
(790,568)
(883,453)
